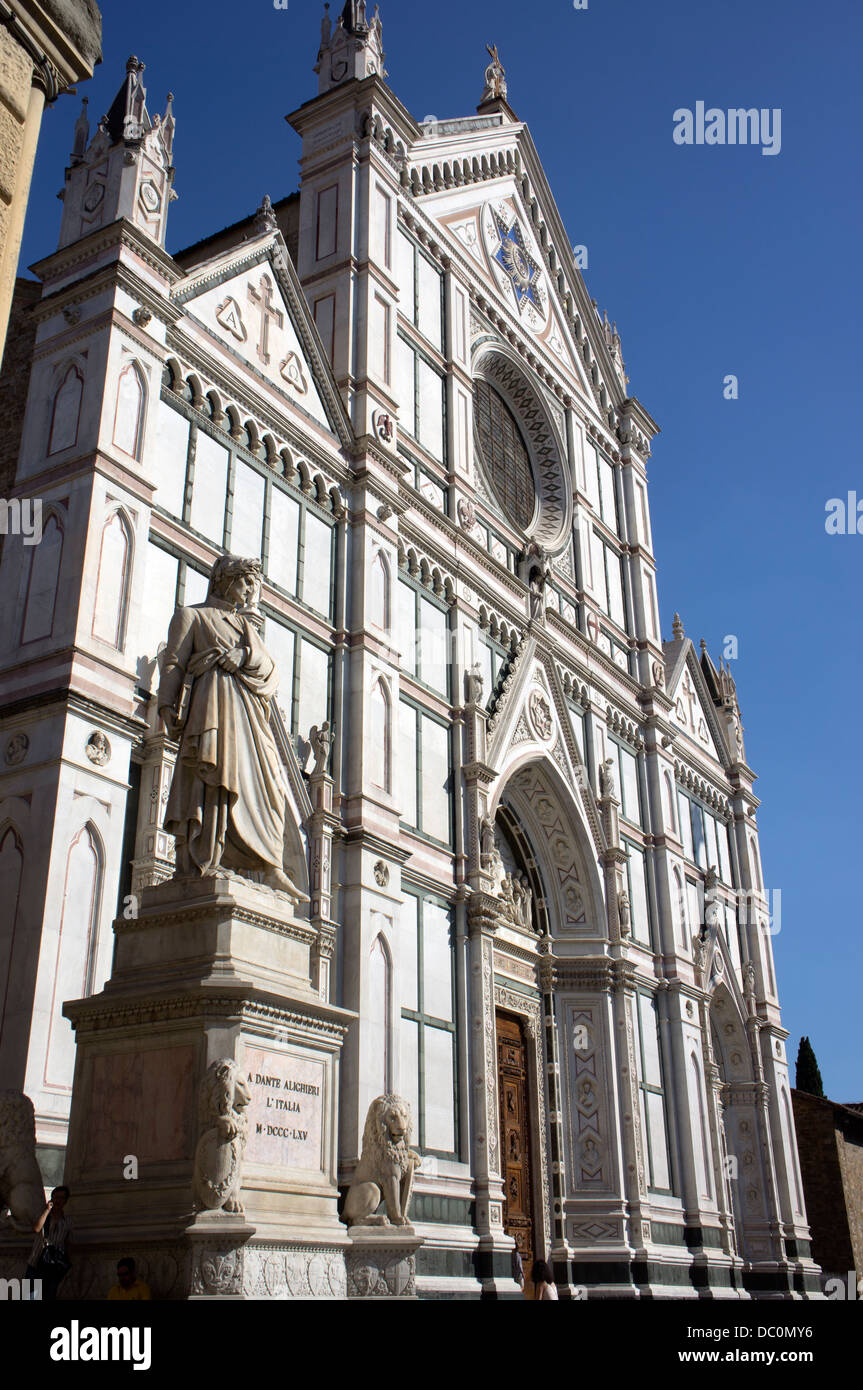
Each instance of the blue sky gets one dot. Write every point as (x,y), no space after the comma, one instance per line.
(713,260)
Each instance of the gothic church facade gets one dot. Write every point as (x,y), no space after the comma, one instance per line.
(537,881)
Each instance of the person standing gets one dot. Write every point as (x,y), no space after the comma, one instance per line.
(545,1288)
(49,1258)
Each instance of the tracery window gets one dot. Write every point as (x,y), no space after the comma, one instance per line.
(505,455)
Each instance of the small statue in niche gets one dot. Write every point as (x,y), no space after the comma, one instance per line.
(527,902)
(712,904)
(749,985)
(321,740)
(517,893)
(699,952)
(623,912)
(475,684)
(487,843)
(537,594)
(507,897)
(607,785)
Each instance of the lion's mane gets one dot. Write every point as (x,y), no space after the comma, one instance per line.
(379,1154)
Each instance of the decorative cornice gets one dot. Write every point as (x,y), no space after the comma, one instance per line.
(100,1013)
(128,725)
(122,233)
(624,728)
(709,792)
(220,914)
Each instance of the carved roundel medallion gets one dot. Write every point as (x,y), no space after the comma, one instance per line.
(540,715)
(16,748)
(149,196)
(98,748)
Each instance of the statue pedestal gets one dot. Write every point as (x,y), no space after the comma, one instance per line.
(381,1262)
(211,968)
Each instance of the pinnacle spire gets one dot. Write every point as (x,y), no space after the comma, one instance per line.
(106,180)
(678,631)
(127,117)
(350,48)
(82,134)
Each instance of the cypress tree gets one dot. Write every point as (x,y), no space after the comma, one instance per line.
(808,1076)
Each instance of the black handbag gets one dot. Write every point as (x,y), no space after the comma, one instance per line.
(53,1258)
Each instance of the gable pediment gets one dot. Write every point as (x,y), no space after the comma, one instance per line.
(461,166)
(251,303)
(500,242)
(693,711)
(531,716)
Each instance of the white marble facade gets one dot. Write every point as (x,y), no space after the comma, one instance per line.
(338,410)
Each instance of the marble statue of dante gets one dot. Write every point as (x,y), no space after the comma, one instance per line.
(226,807)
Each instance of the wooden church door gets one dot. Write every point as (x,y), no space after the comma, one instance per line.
(515,1137)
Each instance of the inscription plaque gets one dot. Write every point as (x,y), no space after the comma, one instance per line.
(286,1109)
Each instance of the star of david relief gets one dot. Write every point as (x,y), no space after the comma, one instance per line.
(513,264)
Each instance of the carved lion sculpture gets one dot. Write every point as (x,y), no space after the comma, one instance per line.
(386,1166)
(21,1187)
(222,1102)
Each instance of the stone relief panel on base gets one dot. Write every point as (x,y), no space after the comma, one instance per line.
(219,1156)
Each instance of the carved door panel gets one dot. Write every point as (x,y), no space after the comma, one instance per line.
(515,1137)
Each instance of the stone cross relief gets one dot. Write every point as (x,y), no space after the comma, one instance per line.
(262,299)
(691,698)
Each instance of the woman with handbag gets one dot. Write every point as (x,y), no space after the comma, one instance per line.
(49,1260)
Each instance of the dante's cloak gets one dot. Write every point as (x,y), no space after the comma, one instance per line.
(227,797)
